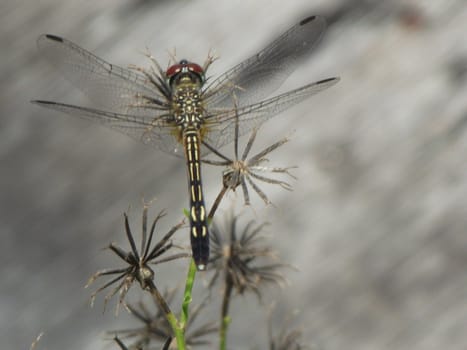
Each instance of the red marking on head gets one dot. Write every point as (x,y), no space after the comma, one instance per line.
(172,70)
(195,68)
(184,66)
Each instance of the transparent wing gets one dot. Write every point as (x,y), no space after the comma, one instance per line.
(257,77)
(127,101)
(221,124)
(153,131)
(110,87)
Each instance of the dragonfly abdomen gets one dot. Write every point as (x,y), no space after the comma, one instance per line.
(198,216)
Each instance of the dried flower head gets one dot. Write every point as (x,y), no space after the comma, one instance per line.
(243,172)
(240,256)
(286,338)
(138,262)
(156,328)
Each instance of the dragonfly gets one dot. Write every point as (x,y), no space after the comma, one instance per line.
(180,110)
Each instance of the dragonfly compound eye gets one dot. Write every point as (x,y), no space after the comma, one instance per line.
(173,70)
(185,67)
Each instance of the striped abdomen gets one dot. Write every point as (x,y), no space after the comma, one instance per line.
(198,218)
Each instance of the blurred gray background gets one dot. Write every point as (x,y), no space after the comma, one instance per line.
(377,220)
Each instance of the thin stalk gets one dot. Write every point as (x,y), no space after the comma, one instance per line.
(225,318)
(187,297)
(177,329)
(217,202)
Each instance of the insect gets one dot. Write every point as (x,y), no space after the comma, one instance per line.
(180,110)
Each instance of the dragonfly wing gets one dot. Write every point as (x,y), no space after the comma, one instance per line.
(110,87)
(221,124)
(158,132)
(260,75)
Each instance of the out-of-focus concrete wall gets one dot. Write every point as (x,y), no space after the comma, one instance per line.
(377,219)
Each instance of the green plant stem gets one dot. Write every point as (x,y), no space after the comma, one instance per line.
(187,297)
(225,319)
(223,332)
(177,329)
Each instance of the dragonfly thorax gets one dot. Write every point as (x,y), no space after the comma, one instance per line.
(186,79)
(187,106)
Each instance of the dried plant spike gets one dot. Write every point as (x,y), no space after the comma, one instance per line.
(244,171)
(138,262)
(286,337)
(243,258)
(154,329)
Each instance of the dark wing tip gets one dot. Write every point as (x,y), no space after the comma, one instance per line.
(54,37)
(42,102)
(306,20)
(324,81)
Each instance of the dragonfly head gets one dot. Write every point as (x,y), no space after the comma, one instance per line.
(185,71)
